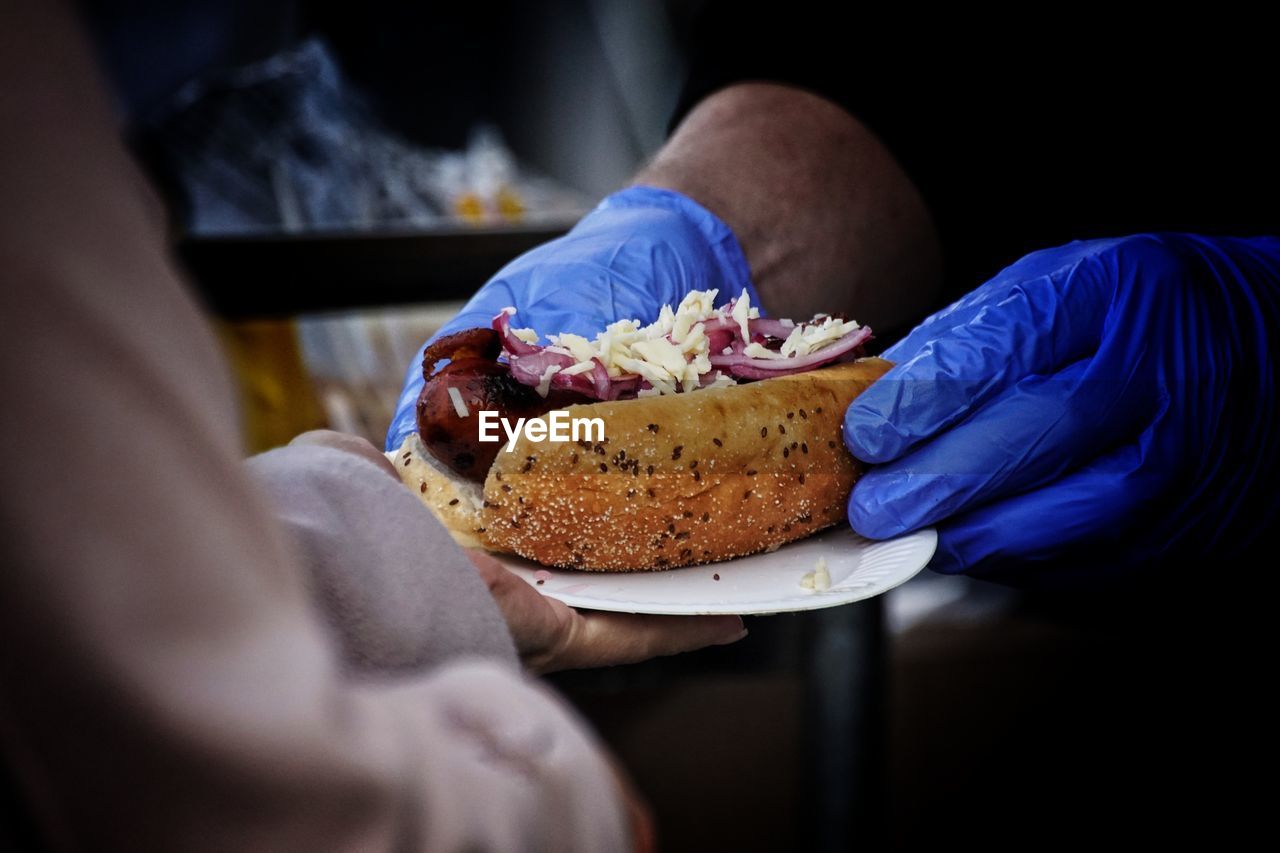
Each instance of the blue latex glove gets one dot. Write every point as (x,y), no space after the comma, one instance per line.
(1090,409)
(640,249)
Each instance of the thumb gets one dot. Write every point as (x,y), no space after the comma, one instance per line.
(599,638)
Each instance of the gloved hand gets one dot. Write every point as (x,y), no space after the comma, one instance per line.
(1090,409)
(640,249)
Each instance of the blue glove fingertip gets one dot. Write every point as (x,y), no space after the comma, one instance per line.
(873,508)
(869,435)
(731,261)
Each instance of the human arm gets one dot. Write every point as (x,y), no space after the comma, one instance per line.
(169,684)
(763,188)
(827,219)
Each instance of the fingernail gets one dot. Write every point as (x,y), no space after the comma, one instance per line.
(735,638)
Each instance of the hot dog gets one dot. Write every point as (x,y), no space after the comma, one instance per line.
(475,376)
(679,476)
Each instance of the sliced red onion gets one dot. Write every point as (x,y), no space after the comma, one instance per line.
(742,366)
(719,339)
(623,387)
(735,347)
(529,362)
(771,327)
(512,344)
(717,324)
(721,331)
(528,369)
(600,379)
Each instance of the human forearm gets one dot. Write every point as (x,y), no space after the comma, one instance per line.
(168,682)
(827,219)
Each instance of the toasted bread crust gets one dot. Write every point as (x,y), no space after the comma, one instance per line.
(682,479)
(678,480)
(455,502)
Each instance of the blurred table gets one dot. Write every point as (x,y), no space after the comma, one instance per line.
(256,285)
(285,275)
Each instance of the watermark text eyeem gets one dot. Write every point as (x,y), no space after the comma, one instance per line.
(557,426)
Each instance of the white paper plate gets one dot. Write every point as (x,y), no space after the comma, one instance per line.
(761,583)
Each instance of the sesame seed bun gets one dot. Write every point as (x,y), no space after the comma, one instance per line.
(678,480)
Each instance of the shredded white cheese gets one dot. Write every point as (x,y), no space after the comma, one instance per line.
(818,579)
(755,350)
(578,346)
(544,384)
(673,353)
(804,340)
(663,354)
(459,405)
(742,313)
(580,367)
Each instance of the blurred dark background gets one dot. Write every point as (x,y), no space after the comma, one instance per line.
(339,177)
(581,89)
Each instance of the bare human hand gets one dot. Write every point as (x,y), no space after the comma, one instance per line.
(551,636)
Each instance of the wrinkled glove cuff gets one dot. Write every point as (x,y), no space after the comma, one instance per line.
(720,238)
